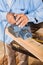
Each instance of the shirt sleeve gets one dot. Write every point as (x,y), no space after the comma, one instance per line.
(3,16)
(35,13)
(4,9)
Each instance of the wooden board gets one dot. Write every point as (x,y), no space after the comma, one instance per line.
(29,44)
(40,32)
(34,61)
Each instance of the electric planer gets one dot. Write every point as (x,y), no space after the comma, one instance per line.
(24,32)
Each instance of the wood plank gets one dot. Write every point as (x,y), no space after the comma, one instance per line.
(29,44)
(34,61)
(40,32)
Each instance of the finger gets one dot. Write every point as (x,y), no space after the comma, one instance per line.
(18,17)
(22,24)
(13,20)
(15,14)
(19,21)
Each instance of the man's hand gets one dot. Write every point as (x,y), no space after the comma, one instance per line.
(21,20)
(10,18)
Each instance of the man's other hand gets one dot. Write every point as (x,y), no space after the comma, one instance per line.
(21,20)
(10,18)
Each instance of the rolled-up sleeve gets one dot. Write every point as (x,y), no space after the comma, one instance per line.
(4,9)
(36,11)
(3,16)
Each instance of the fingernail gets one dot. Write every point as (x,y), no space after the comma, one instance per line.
(19,26)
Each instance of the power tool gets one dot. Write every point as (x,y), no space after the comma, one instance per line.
(24,32)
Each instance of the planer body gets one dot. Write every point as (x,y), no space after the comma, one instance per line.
(24,32)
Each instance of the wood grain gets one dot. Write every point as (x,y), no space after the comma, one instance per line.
(40,32)
(29,44)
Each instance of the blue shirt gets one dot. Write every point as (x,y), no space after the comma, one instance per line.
(33,9)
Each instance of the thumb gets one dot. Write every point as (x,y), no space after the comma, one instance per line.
(15,14)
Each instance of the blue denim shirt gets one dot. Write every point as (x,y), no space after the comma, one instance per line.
(33,9)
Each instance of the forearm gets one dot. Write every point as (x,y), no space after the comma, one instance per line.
(36,14)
